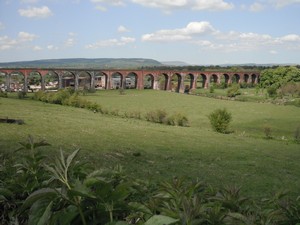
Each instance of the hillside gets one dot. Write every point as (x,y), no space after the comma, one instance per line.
(159,152)
(117,63)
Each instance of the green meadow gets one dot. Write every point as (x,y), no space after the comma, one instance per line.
(146,150)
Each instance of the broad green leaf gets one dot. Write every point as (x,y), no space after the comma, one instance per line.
(237,216)
(40,212)
(65,216)
(71,157)
(37,195)
(46,215)
(136,206)
(6,192)
(161,220)
(80,189)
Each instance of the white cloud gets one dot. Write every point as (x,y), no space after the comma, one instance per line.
(206,37)
(70,42)
(101,4)
(30,12)
(122,29)
(169,5)
(7,43)
(111,2)
(37,48)
(256,7)
(290,38)
(212,5)
(24,36)
(273,52)
(10,43)
(111,42)
(52,47)
(161,3)
(283,3)
(186,33)
(29,1)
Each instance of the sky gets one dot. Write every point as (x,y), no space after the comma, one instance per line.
(197,32)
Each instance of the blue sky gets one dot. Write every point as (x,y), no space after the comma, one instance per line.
(194,31)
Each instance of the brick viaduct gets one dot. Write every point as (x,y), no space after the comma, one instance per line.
(111,79)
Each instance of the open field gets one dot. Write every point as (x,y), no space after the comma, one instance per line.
(243,158)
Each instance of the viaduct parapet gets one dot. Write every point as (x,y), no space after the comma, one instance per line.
(16,79)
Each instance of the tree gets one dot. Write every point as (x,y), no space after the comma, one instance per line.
(279,76)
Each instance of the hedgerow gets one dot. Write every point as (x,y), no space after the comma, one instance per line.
(69,97)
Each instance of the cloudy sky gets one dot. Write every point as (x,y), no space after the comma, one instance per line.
(193,31)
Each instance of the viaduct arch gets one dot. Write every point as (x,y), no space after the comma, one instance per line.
(20,79)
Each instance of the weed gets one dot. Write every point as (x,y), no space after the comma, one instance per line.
(267,131)
(297,135)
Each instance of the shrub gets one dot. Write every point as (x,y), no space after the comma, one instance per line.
(38,95)
(289,89)
(134,114)
(182,120)
(3,94)
(267,131)
(297,134)
(158,116)
(93,107)
(220,120)
(179,120)
(233,91)
(21,94)
(272,91)
(223,85)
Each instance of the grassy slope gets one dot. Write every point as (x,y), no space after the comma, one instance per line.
(243,157)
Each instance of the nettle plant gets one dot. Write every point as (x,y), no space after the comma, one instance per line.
(40,191)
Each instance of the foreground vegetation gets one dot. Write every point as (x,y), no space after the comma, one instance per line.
(38,190)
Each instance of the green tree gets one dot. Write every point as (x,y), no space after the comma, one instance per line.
(279,76)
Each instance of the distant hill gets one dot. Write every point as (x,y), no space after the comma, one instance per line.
(175,63)
(116,63)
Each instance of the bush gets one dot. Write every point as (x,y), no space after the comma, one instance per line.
(220,120)
(158,116)
(290,89)
(272,91)
(177,120)
(233,91)
(134,114)
(297,135)
(21,94)
(3,94)
(93,107)
(268,131)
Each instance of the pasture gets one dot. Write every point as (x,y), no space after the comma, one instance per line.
(156,152)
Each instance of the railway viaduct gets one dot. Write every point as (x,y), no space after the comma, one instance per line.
(56,78)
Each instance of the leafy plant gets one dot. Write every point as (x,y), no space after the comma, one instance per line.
(220,120)
(233,91)
(267,131)
(297,134)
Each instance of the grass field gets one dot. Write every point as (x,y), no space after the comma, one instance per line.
(244,157)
